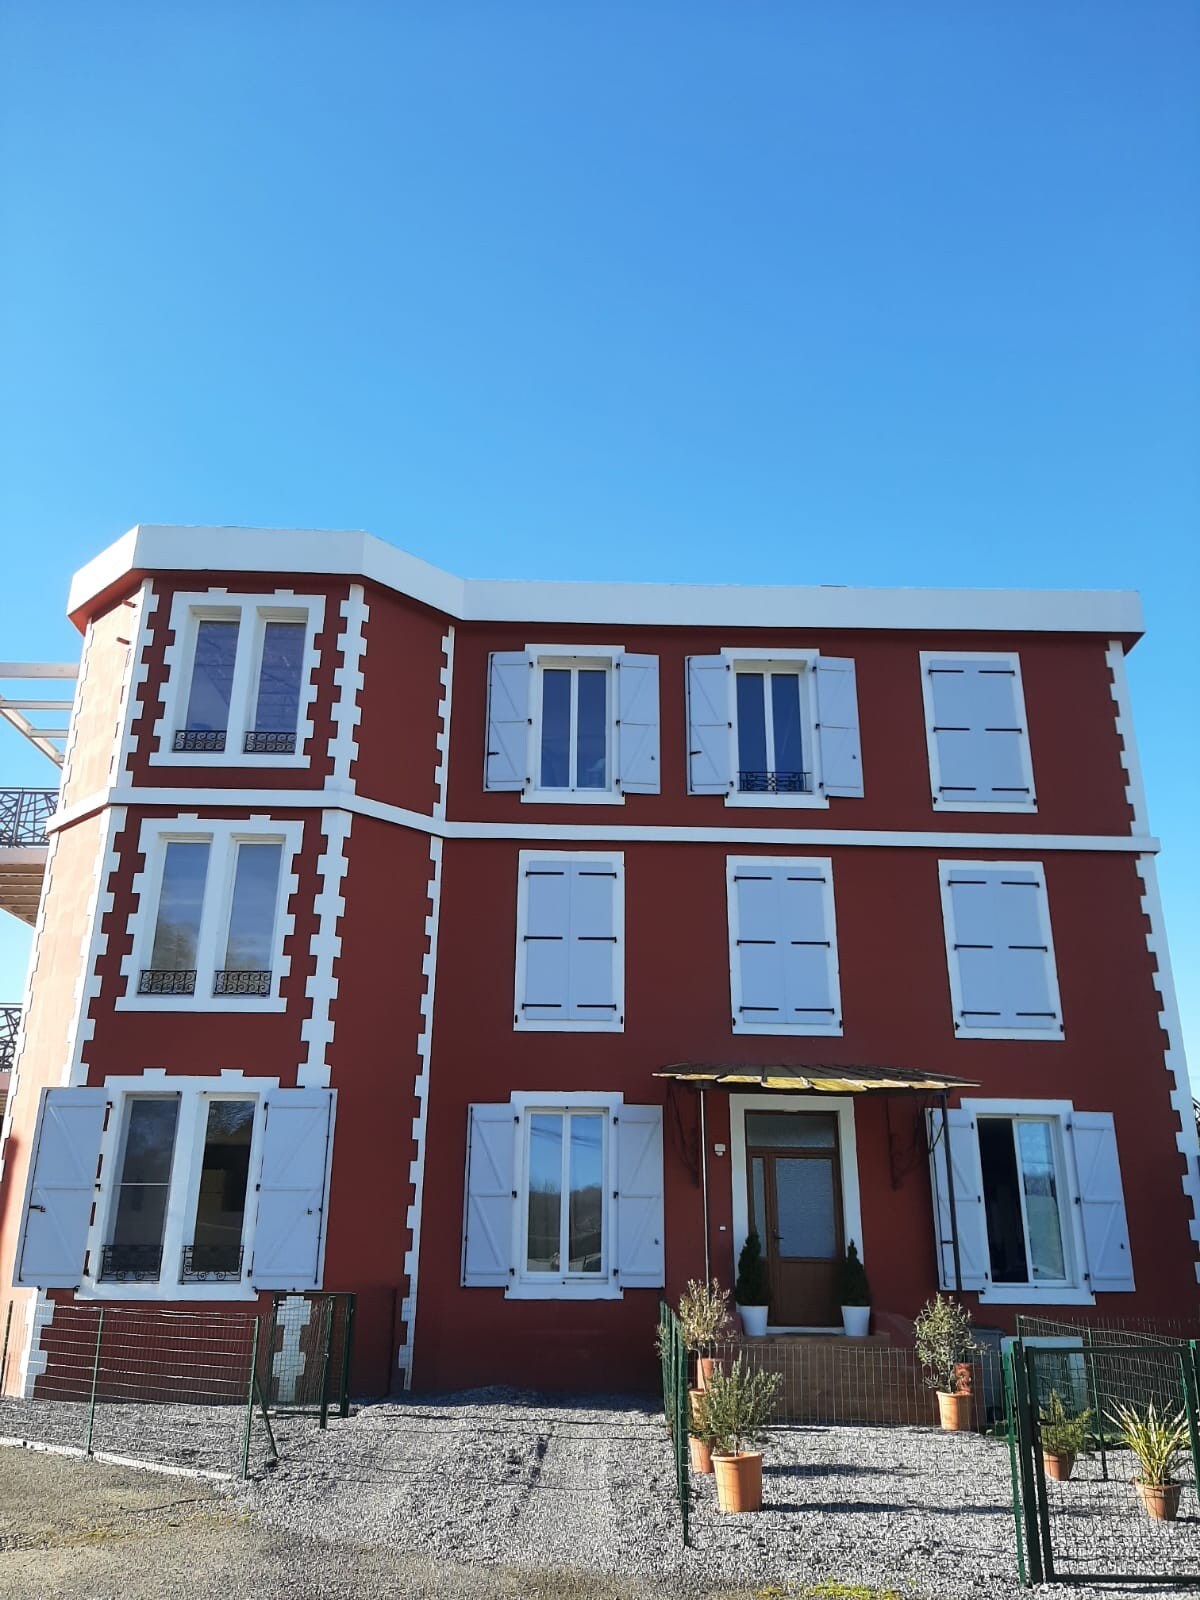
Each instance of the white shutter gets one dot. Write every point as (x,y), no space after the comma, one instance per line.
(593,944)
(60,1189)
(1101,1202)
(710,725)
(640,1256)
(837,727)
(973,1256)
(978,731)
(783,953)
(1001,949)
(491,1196)
(290,1227)
(757,953)
(544,965)
(507,762)
(809,959)
(637,724)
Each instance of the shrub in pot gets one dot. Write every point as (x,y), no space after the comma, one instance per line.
(704,1321)
(1158,1442)
(752,1291)
(942,1332)
(1064,1434)
(734,1413)
(854,1294)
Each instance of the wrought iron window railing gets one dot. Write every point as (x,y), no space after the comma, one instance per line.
(270,744)
(10,1022)
(130,1263)
(211,1263)
(200,741)
(161,980)
(24,814)
(233,980)
(775,782)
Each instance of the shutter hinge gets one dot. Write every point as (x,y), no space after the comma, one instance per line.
(514,1194)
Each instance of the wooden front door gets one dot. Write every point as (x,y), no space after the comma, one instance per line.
(796,1205)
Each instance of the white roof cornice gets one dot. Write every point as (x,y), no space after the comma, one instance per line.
(305,552)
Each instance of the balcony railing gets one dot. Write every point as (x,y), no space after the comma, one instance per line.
(211,1263)
(233,980)
(775,782)
(201,741)
(130,1263)
(10,1022)
(24,814)
(270,744)
(162,980)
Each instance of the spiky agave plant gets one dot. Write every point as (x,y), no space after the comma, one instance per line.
(1157,1441)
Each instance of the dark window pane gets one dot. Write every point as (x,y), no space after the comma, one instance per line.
(1042,1215)
(545,1192)
(556,728)
(1002,1201)
(278,707)
(212,675)
(252,913)
(185,867)
(751,723)
(591,765)
(801,1130)
(141,1210)
(587,1194)
(224,1175)
(785,711)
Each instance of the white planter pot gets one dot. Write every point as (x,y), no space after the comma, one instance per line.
(856,1321)
(754,1320)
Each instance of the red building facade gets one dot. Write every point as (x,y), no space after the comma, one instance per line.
(381,908)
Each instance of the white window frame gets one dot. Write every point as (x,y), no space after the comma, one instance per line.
(526,1285)
(588,657)
(195,1096)
(1072,1291)
(928,658)
(223,839)
(805,662)
(833,1030)
(251,612)
(521,1023)
(1045,1035)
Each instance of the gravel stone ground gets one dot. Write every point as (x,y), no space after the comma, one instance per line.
(201,1439)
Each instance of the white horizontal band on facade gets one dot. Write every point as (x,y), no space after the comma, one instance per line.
(269,800)
(313,553)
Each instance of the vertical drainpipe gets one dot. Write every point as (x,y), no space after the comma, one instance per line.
(950,1194)
(704,1181)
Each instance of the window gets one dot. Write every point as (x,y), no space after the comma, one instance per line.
(211,923)
(570,942)
(1003,980)
(564,1197)
(189,1184)
(773,728)
(240,679)
(976,733)
(1038,1204)
(566,726)
(783,946)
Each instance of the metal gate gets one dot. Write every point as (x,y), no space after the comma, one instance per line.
(1093,1527)
(306,1354)
(676,1403)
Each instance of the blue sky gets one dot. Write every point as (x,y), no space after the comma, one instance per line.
(797,292)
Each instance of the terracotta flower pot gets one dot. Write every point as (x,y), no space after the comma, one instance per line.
(704,1371)
(964,1377)
(955,1411)
(701,1453)
(739,1480)
(1161,1500)
(1059,1464)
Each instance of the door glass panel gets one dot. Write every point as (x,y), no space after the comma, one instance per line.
(252,911)
(804,1208)
(751,723)
(591,766)
(135,1246)
(545,1192)
(586,1195)
(785,714)
(1002,1201)
(212,676)
(794,1130)
(185,866)
(224,1175)
(758,1199)
(277,708)
(556,728)
(1040,1181)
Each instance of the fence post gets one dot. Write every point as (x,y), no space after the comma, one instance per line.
(4,1356)
(1010,1417)
(1089,1362)
(250,1401)
(1039,1466)
(1025,1443)
(1188,1370)
(91,1422)
(347,1336)
(330,1308)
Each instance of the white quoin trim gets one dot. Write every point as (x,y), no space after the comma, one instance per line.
(416,1171)
(441,773)
(39,1314)
(843,1106)
(1135,791)
(347,687)
(288,1361)
(325,946)
(135,683)
(95,947)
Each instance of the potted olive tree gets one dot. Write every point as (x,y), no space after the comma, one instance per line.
(944,1340)
(854,1295)
(752,1292)
(734,1412)
(1157,1442)
(1064,1436)
(704,1321)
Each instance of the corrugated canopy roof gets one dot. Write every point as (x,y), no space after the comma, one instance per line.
(813,1080)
